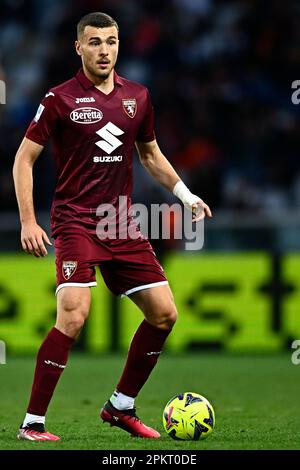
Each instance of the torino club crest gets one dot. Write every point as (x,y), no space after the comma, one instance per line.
(130,106)
(68,269)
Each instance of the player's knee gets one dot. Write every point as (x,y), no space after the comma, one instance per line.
(74,324)
(167,317)
(71,325)
(71,318)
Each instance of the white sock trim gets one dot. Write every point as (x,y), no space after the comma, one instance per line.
(29,418)
(121,401)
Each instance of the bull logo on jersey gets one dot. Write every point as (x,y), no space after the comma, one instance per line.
(68,269)
(130,106)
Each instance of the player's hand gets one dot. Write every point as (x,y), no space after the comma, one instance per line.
(200,210)
(191,201)
(33,239)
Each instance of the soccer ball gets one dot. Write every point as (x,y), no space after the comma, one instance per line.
(189,417)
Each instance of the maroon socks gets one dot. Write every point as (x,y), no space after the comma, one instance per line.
(52,357)
(51,361)
(143,354)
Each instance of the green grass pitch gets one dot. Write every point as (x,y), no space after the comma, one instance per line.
(256,401)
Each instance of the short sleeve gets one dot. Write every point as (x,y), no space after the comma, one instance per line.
(146,131)
(45,121)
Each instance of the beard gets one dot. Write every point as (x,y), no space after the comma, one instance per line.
(102,74)
(96,72)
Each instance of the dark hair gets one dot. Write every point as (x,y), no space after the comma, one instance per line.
(96,19)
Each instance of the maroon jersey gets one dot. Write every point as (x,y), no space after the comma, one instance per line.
(93,141)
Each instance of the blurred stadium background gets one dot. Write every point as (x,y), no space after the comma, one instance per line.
(220,75)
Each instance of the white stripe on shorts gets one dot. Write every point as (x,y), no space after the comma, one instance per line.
(145,286)
(75,284)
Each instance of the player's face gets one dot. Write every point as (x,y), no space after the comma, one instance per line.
(98,48)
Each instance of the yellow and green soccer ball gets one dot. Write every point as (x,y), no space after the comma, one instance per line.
(188,417)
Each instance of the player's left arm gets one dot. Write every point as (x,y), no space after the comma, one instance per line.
(161,169)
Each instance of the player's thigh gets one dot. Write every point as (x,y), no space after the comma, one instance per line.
(73,305)
(157,304)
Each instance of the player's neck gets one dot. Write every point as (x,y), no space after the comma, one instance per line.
(106,85)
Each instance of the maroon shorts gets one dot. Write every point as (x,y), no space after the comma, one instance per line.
(127,266)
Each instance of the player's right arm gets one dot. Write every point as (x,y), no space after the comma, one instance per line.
(33,237)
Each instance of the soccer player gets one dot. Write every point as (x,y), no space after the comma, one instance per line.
(94,120)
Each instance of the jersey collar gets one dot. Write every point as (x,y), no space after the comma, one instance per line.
(87,83)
